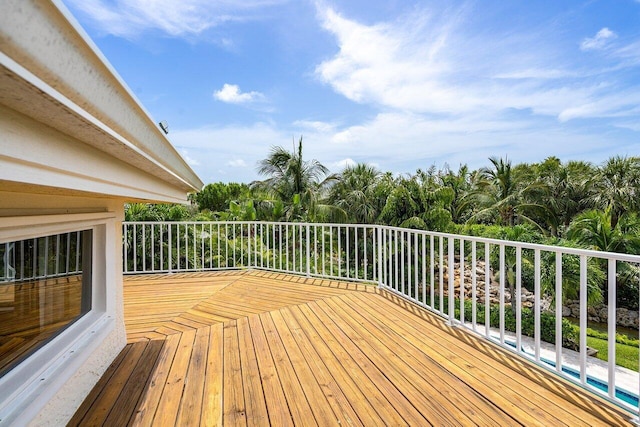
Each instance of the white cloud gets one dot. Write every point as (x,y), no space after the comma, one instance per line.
(435,64)
(599,41)
(232,94)
(129,18)
(237,163)
(190,161)
(342,164)
(217,147)
(399,142)
(316,126)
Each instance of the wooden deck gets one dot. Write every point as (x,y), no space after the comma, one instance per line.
(258,348)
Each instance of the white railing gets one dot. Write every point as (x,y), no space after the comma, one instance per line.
(417,265)
(41,258)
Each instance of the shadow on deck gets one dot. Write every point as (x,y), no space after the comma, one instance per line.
(261,348)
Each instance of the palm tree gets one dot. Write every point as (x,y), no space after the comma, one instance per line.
(566,192)
(460,184)
(355,193)
(617,186)
(504,195)
(418,202)
(593,229)
(298,183)
(571,274)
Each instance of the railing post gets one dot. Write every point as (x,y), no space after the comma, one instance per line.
(170,250)
(451,271)
(308,239)
(378,247)
(126,243)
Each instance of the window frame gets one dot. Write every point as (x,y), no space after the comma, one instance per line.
(40,375)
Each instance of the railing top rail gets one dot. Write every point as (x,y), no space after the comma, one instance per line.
(325,224)
(513,243)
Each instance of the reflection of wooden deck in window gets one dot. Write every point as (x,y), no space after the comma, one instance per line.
(265,348)
(32,312)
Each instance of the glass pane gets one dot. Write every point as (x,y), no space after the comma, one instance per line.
(45,285)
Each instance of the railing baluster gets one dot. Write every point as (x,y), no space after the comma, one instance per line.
(170,261)
(432,272)
(125,238)
(441,273)
(347,251)
(558,297)
(195,242)
(450,269)
(135,248)
(502,292)
(301,252)
(537,308)
(280,245)
(379,246)
(153,248)
(365,254)
(389,276)
(487,291)
(406,276)
(287,248)
(273,244)
(353,258)
(395,238)
(583,319)
(518,299)
(424,269)
(461,274)
(324,261)
(339,252)
(219,244)
(611,326)
(315,248)
(415,266)
(308,243)
(144,248)
(474,296)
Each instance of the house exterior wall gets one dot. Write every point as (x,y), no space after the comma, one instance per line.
(35,153)
(46,40)
(75,146)
(48,387)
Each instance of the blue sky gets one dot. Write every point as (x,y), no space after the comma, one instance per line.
(398,84)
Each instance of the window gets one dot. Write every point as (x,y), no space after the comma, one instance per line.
(45,286)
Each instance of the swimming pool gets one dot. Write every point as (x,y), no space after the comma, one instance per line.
(621,394)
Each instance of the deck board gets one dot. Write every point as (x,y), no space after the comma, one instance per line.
(275,400)
(261,348)
(255,403)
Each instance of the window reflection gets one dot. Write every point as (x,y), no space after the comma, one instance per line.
(45,285)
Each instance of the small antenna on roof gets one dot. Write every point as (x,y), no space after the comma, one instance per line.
(164,126)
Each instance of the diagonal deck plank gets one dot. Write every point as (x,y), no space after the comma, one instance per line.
(261,348)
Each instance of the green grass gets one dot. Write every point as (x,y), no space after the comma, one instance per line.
(626,355)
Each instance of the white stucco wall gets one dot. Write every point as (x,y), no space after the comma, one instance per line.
(45,39)
(55,385)
(75,145)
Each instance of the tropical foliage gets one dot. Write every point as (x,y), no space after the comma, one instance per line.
(575,204)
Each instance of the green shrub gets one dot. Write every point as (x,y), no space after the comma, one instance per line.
(570,332)
(620,339)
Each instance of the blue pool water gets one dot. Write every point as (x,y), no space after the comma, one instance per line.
(621,394)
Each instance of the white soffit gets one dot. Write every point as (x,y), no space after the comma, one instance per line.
(51,72)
